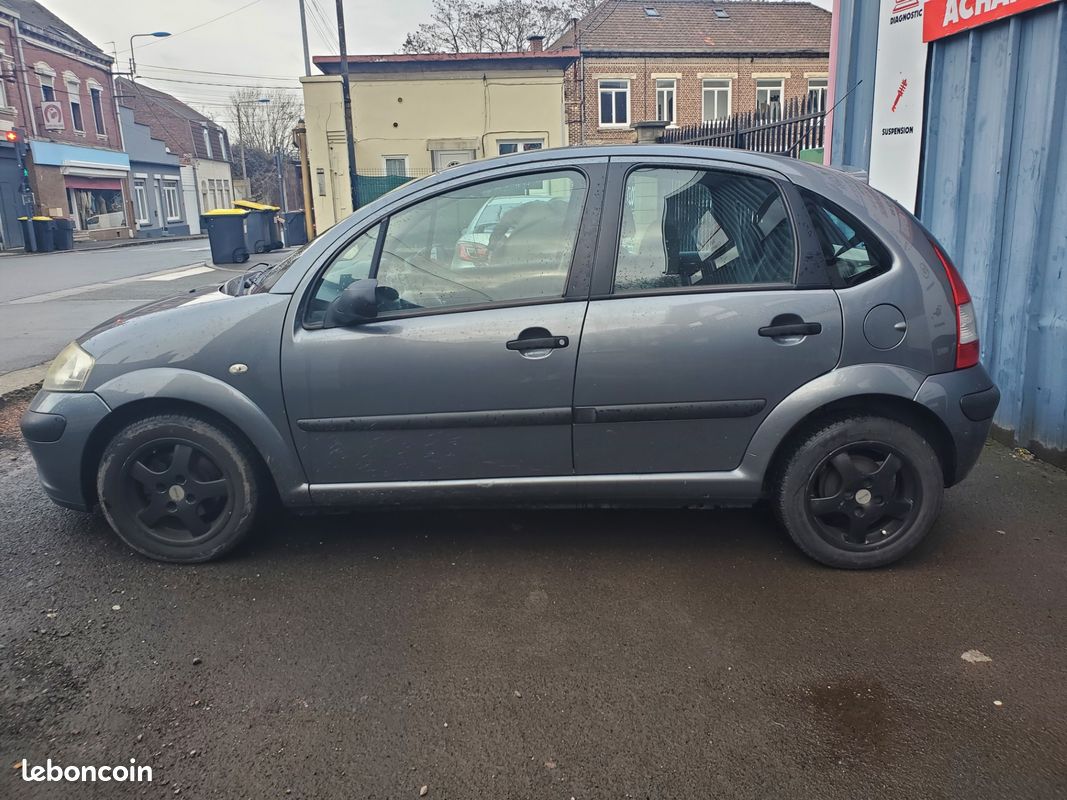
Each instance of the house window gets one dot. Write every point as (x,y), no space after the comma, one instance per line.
(47,77)
(717,98)
(665,92)
(207,142)
(212,184)
(769,95)
(222,146)
(98,209)
(140,201)
(226,192)
(614,103)
(396,165)
(171,201)
(203,192)
(74,94)
(96,97)
(508,146)
(817,89)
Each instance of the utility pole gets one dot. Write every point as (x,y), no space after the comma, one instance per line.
(304,38)
(244,144)
(346,96)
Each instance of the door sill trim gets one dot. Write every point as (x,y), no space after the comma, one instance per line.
(695,488)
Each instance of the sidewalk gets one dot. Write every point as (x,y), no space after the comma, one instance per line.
(82,246)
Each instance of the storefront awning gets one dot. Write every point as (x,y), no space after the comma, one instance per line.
(79,182)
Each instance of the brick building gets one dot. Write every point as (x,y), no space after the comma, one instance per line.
(201,144)
(57,92)
(687,61)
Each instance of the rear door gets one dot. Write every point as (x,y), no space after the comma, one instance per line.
(700,321)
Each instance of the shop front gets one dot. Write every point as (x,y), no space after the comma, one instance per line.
(86,184)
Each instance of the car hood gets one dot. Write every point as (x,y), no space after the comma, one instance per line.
(204,294)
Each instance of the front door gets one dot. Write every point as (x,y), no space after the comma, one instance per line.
(443,159)
(468,369)
(696,328)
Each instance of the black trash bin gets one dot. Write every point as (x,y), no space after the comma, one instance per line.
(64,233)
(27,237)
(295,231)
(261,225)
(44,229)
(226,234)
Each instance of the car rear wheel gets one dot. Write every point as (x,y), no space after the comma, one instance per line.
(860,492)
(177,488)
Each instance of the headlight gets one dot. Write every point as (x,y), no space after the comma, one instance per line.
(70,370)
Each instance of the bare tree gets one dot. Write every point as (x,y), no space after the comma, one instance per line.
(265,129)
(471,26)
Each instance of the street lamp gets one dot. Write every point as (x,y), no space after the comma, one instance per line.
(156,34)
(241,133)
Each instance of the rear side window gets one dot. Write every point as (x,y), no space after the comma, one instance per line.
(697,228)
(848,247)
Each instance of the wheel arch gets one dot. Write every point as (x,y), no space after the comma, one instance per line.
(895,407)
(136,395)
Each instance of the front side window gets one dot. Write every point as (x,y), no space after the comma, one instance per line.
(501,241)
(665,91)
(614,103)
(716,98)
(769,96)
(698,228)
(847,245)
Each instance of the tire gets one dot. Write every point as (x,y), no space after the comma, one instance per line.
(240,255)
(860,492)
(178,489)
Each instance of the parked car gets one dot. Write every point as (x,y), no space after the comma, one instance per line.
(473,245)
(687,327)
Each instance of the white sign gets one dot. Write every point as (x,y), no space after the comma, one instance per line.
(52,111)
(899,86)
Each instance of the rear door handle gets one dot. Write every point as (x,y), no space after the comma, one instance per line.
(538,343)
(791,329)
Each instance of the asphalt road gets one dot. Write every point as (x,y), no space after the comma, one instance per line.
(48,299)
(584,654)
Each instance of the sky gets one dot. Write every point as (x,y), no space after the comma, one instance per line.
(218,44)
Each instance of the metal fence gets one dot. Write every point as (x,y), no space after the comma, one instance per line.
(799,125)
(373,183)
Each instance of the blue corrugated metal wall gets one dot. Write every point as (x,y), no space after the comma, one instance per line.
(994,191)
(850,138)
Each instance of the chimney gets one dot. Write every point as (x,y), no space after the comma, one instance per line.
(537,43)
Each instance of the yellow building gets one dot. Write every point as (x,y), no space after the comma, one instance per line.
(414,114)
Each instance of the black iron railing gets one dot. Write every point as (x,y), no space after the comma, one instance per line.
(799,125)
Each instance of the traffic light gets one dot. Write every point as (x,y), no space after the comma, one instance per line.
(11,136)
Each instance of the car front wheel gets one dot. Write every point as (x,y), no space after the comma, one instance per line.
(177,488)
(860,492)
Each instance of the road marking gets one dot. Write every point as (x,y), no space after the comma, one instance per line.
(173,276)
(92,287)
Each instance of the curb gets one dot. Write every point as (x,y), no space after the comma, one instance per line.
(21,379)
(20,253)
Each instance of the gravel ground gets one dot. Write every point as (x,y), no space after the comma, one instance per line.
(584,654)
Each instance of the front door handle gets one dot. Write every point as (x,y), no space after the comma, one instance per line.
(538,343)
(791,329)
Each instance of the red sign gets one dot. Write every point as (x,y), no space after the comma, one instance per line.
(943,18)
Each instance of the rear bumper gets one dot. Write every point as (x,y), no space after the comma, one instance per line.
(57,427)
(965,400)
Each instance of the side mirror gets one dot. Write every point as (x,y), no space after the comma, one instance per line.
(357,303)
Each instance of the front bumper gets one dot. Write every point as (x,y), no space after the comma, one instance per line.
(57,427)
(965,400)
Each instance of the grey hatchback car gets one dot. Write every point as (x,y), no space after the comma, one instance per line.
(658,326)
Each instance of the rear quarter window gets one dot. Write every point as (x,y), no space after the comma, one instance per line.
(848,247)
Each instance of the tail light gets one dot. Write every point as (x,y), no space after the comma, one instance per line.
(471,251)
(966,322)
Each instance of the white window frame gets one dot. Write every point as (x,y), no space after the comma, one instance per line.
(822,86)
(671,91)
(46,76)
(207,143)
(97,91)
(222,145)
(226,195)
(704,89)
(172,200)
(140,199)
(520,145)
(778,82)
(613,90)
(73,85)
(397,157)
